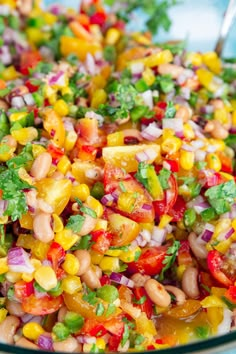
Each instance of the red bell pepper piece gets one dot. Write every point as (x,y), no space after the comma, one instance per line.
(56,254)
(146,305)
(102,240)
(23,289)
(31,87)
(113,343)
(29,60)
(231,294)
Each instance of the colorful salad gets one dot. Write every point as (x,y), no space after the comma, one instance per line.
(118,195)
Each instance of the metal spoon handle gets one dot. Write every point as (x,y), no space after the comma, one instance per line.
(225,27)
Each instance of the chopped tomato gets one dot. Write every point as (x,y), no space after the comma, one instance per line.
(55,151)
(31,87)
(170,196)
(184,256)
(23,289)
(113,343)
(41,306)
(178,209)
(115,326)
(136,201)
(226,163)
(93,328)
(206,282)
(218,268)
(29,60)
(56,254)
(150,262)
(173,162)
(231,294)
(124,230)
(88,130)
(98,18)
(211,178)
(145,304)
(102,240)
(87,153)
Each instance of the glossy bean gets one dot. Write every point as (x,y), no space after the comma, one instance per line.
(197,247)
(190,282)
(41,166)
(84,260)
(180,296)
(8,329)
(3,105)
(23,342)
(139,279)
(42,227)
(91,279)
(88,225)
(184,113)
(9,140)
(14,308)
(61,314)
(69,345)
(157,293)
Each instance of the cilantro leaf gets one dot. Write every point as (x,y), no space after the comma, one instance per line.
(84,243)
(22,159)
(140,301)
(170,110)
(110,309)
(169,258)
(100,309)
(75,222)
(88,211)
(90,297)
(164,176)
(222,196)
(125,335)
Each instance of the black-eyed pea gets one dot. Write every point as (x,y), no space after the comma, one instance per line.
(91,279)
(190,283)
(41,166)
(42,227)
(69,345)
(8,329)
(180,296)
(84,261)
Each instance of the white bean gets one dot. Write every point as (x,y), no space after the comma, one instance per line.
(88,225)
(42,227)
(178,293)
(41,166)
(23,342)
(170,69)
(139,279)
(157,293)
(8,329)
(91,279)
(14,308)
(190,282)
(197,248)
(84,260)
(69,345)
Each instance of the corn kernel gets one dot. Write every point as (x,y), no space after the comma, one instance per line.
(3,265)
(188,131)
(95,257)
(186,159)
(64,165)
(205,77)
(49,18)
(101,225)
(39,249)
(61,108)
(87,348)
(7,154)
(3,314)
(3,220)
(70,140)
(57,223)
(32,330)
(109,264)
(71,284)
(212,61)
(115,139)
(9,73)
(35,263)
(66,238)
(195,58)
(23,174)
(223,246)
(27,277)
(99,97)
(164,221)
(227,176)
(25,135)
(95,205)
(71,264)
(14,117)
(130,255)
(221,115)
(113,253)
(100,343)
(80,191)
(171,145)
(213,162)
(163,57)
(112,36)
(148,76)
(35,35)
(26,221)
(45,277)
(37,150)
(13,277)
(126,201)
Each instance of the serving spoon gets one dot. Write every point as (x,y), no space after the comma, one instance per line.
(225,27)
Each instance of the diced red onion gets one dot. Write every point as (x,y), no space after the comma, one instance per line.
(18,260)
(177,60)
(148,154)
(56,79)
(199,199)
(147,98)
(208,109)
(121,279)
(200,207)
(147,207)
(68,125)
(4,10)
(200,155)
(206,235)
(86,339)
(158,235)
(46,53)
(197,144)
(187,147)
(151,132)
(45,342)
(5,55)
(211,148)
(145,234)
(170,95)
(185,92)
(175,124)
(225,235)
(107,199)
(29,99)
(181,79)
(139,241)
(90,64)
(17,102)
